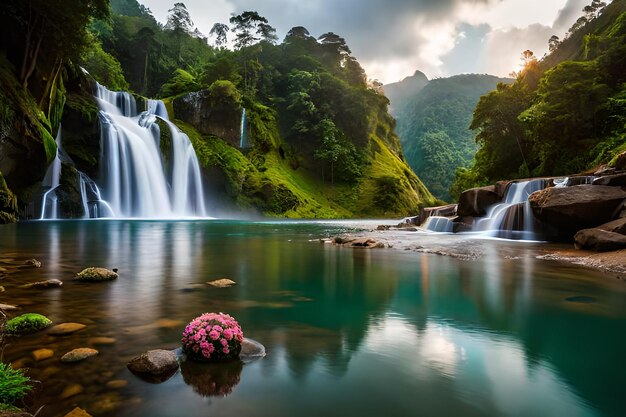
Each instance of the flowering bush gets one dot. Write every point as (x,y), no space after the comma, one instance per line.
(212,337)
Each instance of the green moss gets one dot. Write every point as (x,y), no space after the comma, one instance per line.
(95,274)
(27,323)
(263,127)
(13,387)
(8,203)
(8,408)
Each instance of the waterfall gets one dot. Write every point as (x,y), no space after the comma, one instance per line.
(438,224)
(134,178)
(513,218)
(90,195)
(243,139)
(49,203)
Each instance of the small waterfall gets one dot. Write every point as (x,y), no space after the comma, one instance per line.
(49,203)
(93,205)
(134,180)
(243,138)
(513,218)
(438,224)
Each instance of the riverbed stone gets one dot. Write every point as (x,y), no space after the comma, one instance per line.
(101,340)
(65,329)
(599,240)
(71,390)
(616,226)
(117,384)
(222,283)
(6,307)
(154,365)
(95,274)
(475,201)
(49,283)
(612,180)
(33,262)
(15,413)
(570,209)
(78,412)
(79,354)
(43,354)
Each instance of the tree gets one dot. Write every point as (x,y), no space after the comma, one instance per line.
(553,43)
(220,31)
(179,19)
(250,27)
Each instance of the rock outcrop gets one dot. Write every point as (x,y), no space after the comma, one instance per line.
(599,240)
(475,201)
(570,209)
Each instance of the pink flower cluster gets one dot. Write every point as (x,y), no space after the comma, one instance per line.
(212,337)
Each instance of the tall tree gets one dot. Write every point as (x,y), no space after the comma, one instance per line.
(250,27)
(220,31)
(179,19)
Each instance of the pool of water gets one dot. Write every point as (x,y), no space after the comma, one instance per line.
(347,331)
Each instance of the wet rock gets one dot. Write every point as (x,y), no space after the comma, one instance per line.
(94,274)
(443,211)
(79,354)
(106,404)
(6,307)
(409,222)
(78,412)
(363,243)
(43,354)
(49,283)
(33,262)
(27,323)
(570,209)
(154,365)
(65,329)
(222,283)
(383,227)
(616,226)
(16,412)
(101,340)
(117,384)
(599,240)
(475,201)
(612,180)
(71,390)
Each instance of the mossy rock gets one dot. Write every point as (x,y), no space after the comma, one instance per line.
(94,274)
(27,323)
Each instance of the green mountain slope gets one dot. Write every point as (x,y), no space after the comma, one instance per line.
(433,125)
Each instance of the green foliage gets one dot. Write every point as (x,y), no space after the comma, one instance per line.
(182,82)
(104,67)
(13,386)
(8,203)
(27,323)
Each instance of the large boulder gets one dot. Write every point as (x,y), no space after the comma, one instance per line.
(612,180)
(570,209)
(599,240)
(616,226)
(475,201)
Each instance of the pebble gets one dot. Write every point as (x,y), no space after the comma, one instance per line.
(78,412)
(50,283)
(7,307)
(79,354)
(43,354)
(117,383)
(65,329)
(222,283)
(71,390)
(33,262)
(101,340)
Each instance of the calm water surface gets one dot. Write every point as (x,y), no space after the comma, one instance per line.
(348,332)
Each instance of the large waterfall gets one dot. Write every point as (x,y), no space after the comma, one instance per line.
(50,202)
(141,176)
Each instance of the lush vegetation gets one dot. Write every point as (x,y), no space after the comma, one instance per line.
(433,124)
(562,115)
(27,323)
(13,386)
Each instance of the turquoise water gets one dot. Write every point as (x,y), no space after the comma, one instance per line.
(347,331)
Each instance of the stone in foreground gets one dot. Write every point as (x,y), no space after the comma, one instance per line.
(50,283)
(154,365)
(222,283)
(599,240)
(79,354)
(78,412)
(94,274)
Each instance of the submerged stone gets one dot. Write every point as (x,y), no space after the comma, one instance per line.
(33,262)
(78,412)
(43,354)
(65,328)
(49,283)
(95,274)
(71,390)
(222,283)
(79,354)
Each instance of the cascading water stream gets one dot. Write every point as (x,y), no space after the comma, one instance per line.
(135,181)
(513,218)
(438,224)
(243,138)
(49,203)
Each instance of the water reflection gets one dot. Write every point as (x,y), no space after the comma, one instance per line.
(346,330)
(212,379)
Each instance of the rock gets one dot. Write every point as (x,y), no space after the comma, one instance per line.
(11,411)
(618,180)
(383,227)
(33,262)
(616,226)
(78,412)
(117,384)
(620,161)
(65,328)
(101,340)
(71,390)
(106,404)
(6,307)
(475,201)
(96,274)
(27,323)
(222,283)
(570,209)
(154,365)
(442,211)
(599,240)
(49,283)
(43,354)
(79,354)
(363,243)
(409,222)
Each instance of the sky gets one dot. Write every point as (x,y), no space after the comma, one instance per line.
(394,38)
